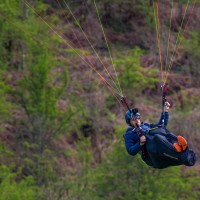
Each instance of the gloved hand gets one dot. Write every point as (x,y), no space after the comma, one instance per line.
(166,107)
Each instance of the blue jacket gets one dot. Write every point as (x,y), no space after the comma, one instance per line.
(131,138)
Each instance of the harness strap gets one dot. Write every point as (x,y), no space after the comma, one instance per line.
(153,128)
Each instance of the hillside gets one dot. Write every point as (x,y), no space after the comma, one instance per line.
(64,67)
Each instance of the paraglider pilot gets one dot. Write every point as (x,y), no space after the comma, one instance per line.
(134,137)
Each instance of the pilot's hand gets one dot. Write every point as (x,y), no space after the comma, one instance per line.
(142,140)
(167,105)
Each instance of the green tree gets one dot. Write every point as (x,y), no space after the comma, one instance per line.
(12,188)
(37,86)
(132,75)
(191,45)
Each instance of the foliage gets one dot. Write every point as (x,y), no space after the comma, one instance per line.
(119,14)
(132,75)
(39,88)
(187,102)
(147,10)
(192,47)
(63,136)
(13,187)
(5,106)
(122,177)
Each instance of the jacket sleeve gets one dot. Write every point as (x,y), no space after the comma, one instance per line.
(164,118)
(132,144)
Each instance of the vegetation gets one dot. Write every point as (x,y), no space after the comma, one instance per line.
(10,188)
(61,132)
